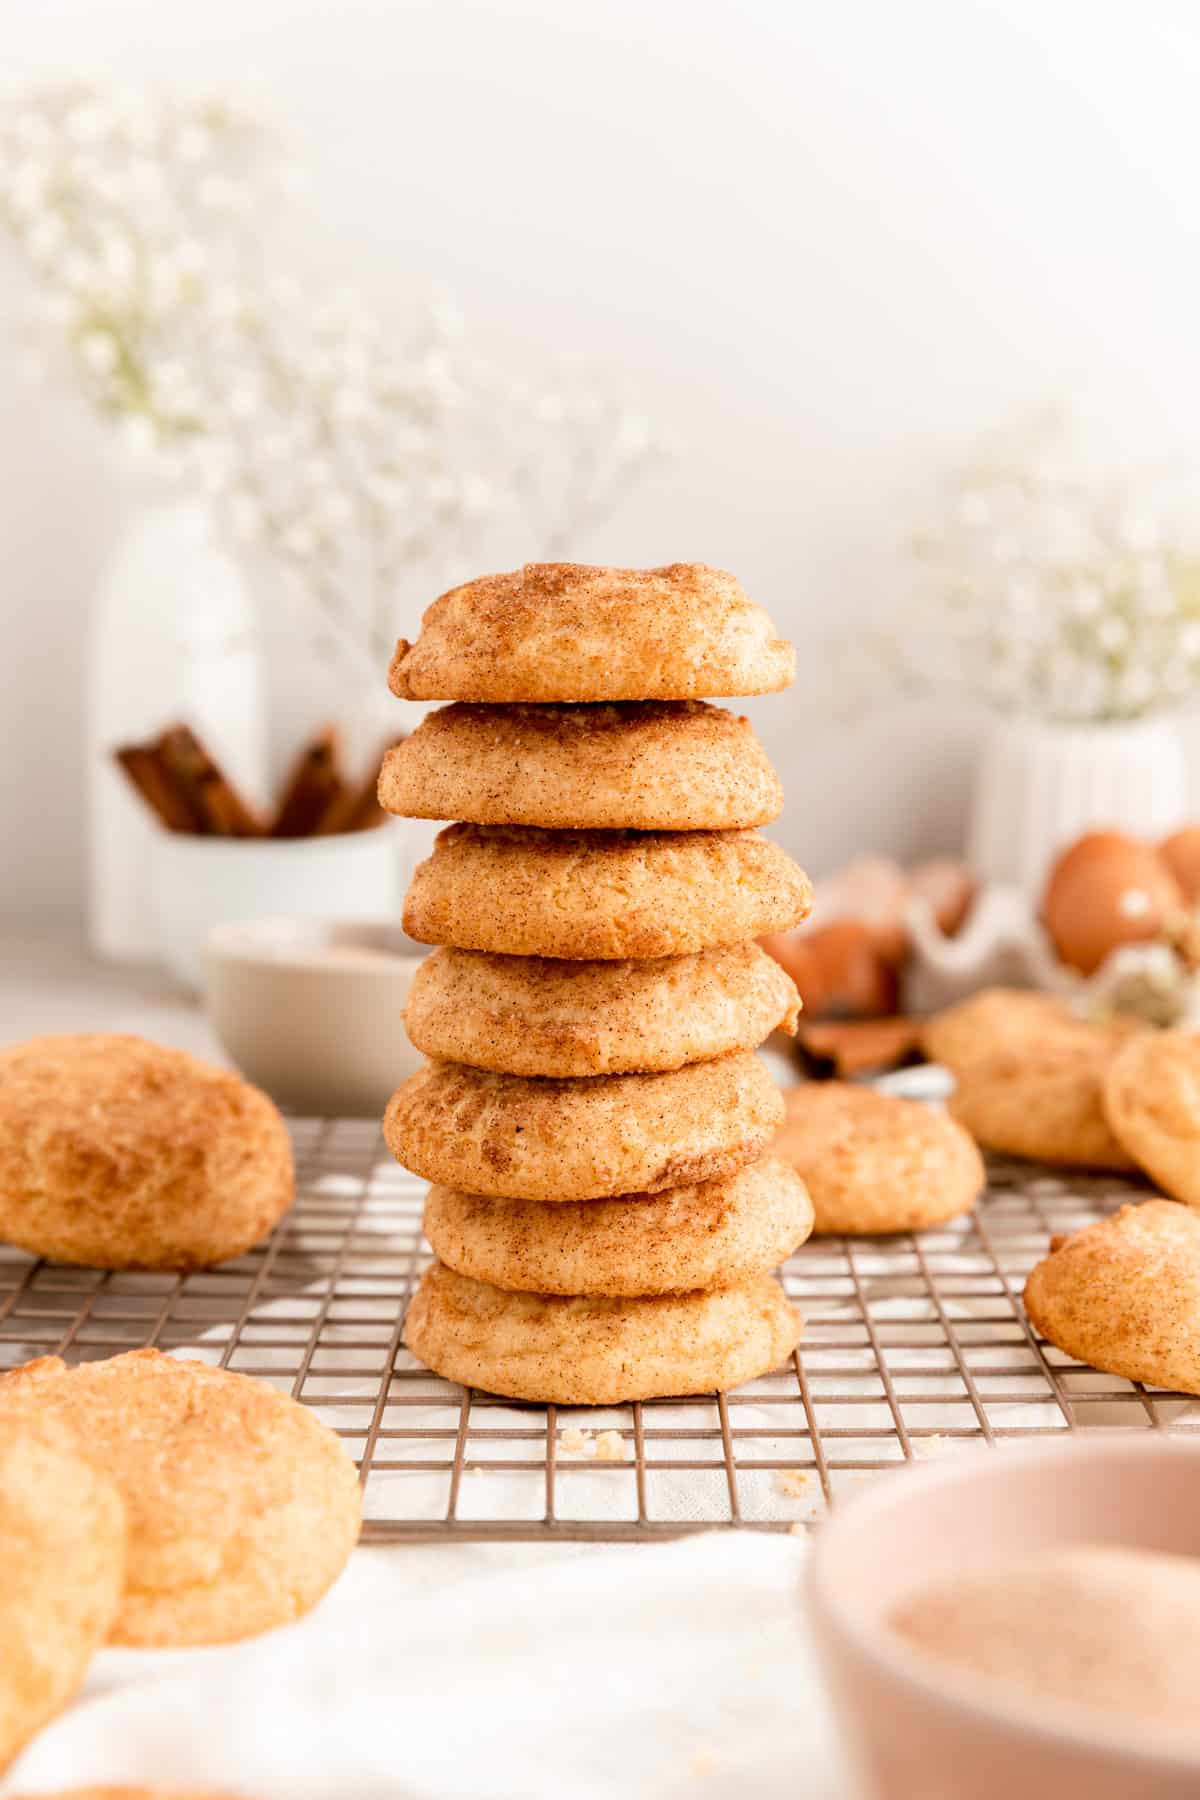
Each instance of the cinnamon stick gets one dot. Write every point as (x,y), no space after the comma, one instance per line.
(313,787)
(221,810)
(358,808)
(143,768)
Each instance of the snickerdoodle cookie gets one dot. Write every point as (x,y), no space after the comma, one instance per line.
(62,1571)
(1124,1295)
(992,1020)
(530,1015)
(719,1234)
(1152,1102)
(242,1505)
(569,632)
(528,1139)
(653,766)
(1043,1101)
(122,1154)
(596,1351)
(873,1162)
(601,894)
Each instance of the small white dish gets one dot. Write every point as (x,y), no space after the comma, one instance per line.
(313,1012)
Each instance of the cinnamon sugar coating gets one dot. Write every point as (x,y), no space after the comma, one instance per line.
(718,1234)
(602,895)
(526,1139)
(530,1015)
(650,766)
(595,1351)
(571,632)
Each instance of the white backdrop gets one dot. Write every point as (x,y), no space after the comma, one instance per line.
(827,244)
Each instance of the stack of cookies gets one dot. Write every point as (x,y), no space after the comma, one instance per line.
(592,1115)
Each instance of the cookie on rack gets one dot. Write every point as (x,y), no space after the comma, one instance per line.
(648,766)
(594,1351)
(122,1154)
(62,1571)
(524,1138)
(573,632)
(242,1506)
(718,1234)
(604,895)
(1152,1103)
(528,1015)
(1043,1101)
(1124,1295)
(874,1162)
(1000,1019)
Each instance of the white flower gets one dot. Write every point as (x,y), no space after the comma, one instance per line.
(100,351)
(245,517)
(299,540)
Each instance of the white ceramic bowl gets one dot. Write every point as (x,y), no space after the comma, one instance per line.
(919,1728)
(198,883)
(314,1012)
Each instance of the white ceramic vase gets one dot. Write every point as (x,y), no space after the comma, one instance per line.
(173,637)
(1039,785)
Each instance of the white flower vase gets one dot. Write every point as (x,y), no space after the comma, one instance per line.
(173,637)
(1039,786)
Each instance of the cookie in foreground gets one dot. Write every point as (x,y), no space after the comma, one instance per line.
(524,1138)
(573,631)
(520,891)
(122,1154)
(596,1351)
(534,1015)
(1124,1295)
(242,1506)
(62,1573)
(719,1234)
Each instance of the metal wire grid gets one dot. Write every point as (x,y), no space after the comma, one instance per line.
(911,1347)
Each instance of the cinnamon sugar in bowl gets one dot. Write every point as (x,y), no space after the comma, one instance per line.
(965,1613)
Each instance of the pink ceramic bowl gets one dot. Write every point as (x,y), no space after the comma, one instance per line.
(917,1731)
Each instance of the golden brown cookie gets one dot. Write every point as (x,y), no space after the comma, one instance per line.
(1152,1103)
(1044,1101)
(62,1572)
(242,1506)
(992,1020)
(524,1138)
(594,1351)
(1124,1295)
(530,1015)
(650,766)
(601,895)
(719,1234)
(571,632)
(122,1154)
(873,1162)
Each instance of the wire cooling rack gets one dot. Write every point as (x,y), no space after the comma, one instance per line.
(912,1346)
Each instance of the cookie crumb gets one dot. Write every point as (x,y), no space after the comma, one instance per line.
(703,1764)
(929,1447)
(574,1441)
(797,1528)
(795,1483)
(610,1447)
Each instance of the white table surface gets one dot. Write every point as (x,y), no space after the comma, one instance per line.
(569,1642)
